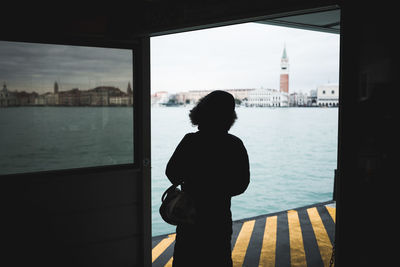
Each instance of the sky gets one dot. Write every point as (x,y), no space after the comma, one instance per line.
(36,67)
(243,56)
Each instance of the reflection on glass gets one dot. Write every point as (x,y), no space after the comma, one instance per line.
(64,107)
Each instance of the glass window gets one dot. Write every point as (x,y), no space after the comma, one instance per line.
(64,107)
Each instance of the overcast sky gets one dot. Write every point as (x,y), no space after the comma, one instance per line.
(243,56)
(35,67)
(240,56)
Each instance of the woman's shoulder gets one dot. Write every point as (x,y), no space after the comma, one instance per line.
(198,136)
(235,139)
(189,137)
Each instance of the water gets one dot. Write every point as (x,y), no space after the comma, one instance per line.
(52,138)
(292,153)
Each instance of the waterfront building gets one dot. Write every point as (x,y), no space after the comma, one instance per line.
(25,99)
(40,101)
(68,98)
(120,101)
(159,98)
(194,96)
(302,99)
(50,99)
(182,97)
(284,99)
(264,98)
(7,98)
(293,98)
(328,95)
(312,98)
(99,96)
(240,94)
(129,89)
(128,98)
(298,99)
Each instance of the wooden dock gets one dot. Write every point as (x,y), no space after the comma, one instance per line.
(299,237)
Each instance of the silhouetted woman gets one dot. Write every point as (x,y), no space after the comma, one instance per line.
(213,166)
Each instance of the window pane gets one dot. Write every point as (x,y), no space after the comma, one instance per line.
(64,107)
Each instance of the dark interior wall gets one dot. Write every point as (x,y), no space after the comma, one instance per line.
(73,219)
(160,17)
(142,18)
(368,136)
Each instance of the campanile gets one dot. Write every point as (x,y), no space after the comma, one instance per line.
(284,81)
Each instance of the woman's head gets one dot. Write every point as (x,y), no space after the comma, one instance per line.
(215,112)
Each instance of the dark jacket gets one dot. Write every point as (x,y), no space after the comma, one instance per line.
(213,166)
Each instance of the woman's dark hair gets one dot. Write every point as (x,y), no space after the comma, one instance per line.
(215,111)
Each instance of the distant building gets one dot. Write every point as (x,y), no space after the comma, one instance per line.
(195,95)
(120,101)
(7,98)
(298,99)
(129,89)
(312,98)
(26,99)
(240,94)
(266,98)
(328,95)
(49,99)
(284,97)
(159,98)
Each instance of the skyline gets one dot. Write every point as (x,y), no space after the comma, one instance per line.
(243,56)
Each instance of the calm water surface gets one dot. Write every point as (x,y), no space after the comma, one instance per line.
(292,151)
(53,138)
(292,154)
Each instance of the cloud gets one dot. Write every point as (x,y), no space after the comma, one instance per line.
(243,56)
(35,67)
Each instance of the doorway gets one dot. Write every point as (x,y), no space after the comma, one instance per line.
(291,136)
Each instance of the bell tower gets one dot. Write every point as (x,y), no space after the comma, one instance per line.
(284,81)
(55,88)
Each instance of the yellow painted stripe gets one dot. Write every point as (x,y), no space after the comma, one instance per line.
(323,241)
(169,263)
(267,256)
(162,246)
(242,242)
(297,254)
(332,212)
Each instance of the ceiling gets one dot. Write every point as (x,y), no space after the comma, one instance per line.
(325,21)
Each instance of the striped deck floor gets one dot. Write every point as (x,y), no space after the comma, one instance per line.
(299,237)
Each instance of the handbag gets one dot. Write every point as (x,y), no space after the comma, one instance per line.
(177,207)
